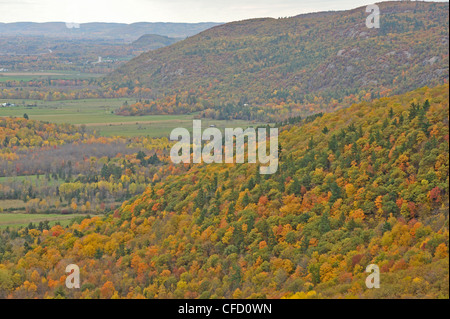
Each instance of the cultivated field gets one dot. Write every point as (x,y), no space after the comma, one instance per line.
(23,220)
(98,115)
(54,75)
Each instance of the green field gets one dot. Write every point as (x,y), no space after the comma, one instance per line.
(44,75)
(11,203)
(22,220)
(98,115)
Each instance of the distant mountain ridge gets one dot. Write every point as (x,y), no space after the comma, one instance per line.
(293,66)
(127,32)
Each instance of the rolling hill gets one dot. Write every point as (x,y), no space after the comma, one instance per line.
(294,66)
(364,185)
(153,41)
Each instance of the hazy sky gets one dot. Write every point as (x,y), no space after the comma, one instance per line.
(129,11)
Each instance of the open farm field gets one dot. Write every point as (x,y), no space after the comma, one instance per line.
(53,75)
(98,115)
(22,220)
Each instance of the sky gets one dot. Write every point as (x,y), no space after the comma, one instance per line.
(129,11)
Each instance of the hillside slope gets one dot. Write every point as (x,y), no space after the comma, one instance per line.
(298,65)
(153,41)
(368,184)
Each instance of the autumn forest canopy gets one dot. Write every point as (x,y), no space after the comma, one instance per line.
(363,160)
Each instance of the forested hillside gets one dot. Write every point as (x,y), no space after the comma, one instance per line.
(277,68)
(153,41)
(368,184)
